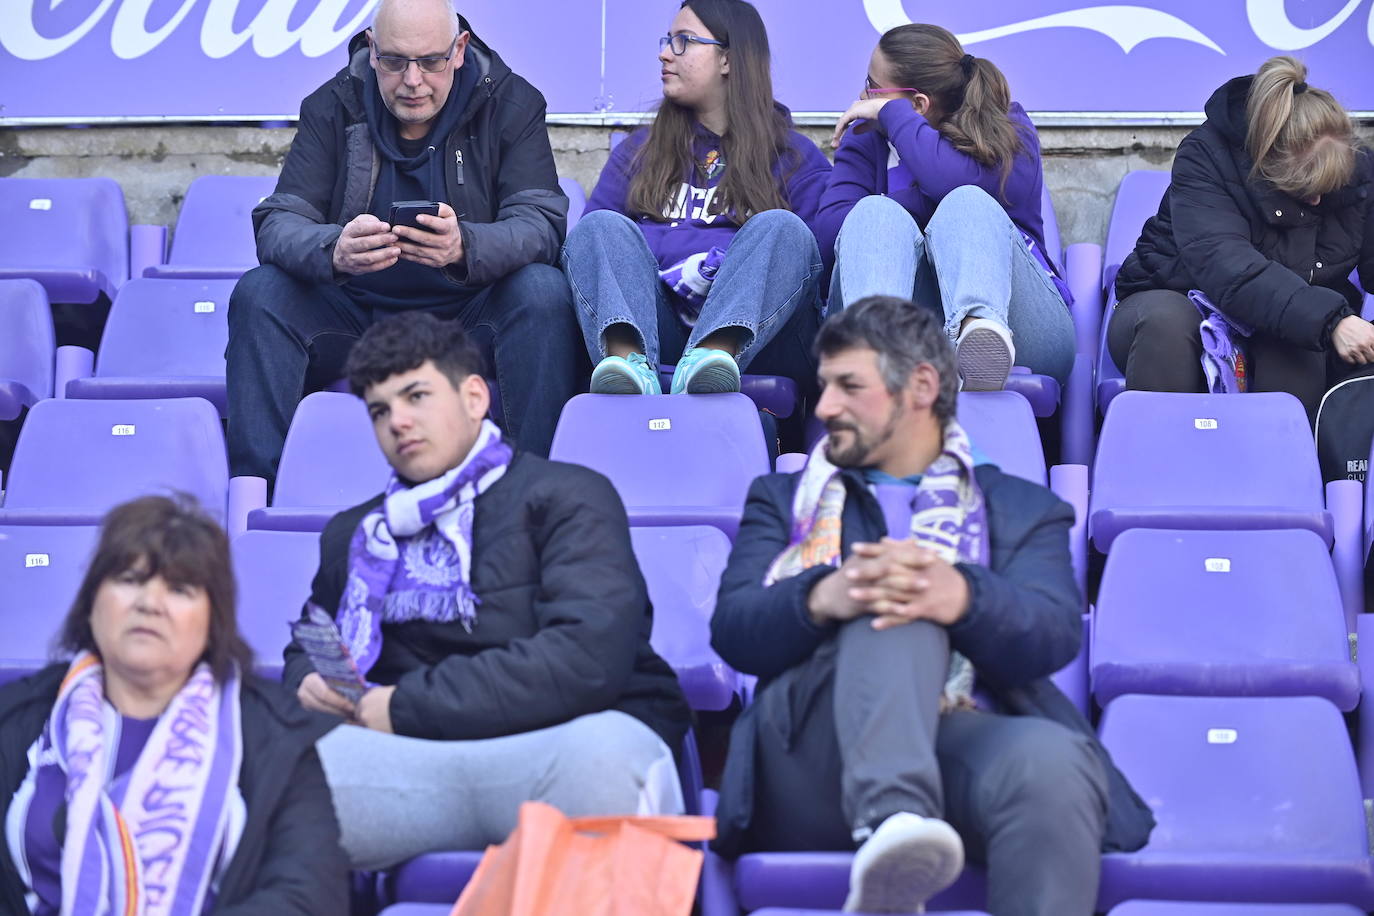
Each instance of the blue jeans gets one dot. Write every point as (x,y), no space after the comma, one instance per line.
(766,287)
(970,261)
(287,337)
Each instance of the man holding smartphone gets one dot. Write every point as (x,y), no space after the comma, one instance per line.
(427,119)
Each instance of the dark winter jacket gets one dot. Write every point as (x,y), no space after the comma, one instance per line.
(861,169)
(498,169)
(562,628)
(694,226)
(1277,264)
(288,861)
(1022,624)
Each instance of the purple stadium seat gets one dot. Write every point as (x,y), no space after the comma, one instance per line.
(70,234)
(1203,461)
(1256,800)
(682,567)
(775,911)
(26,346)
(274,570)
(417,909)
(329,463)
(1164,908)
(1137,199)
(1209,613)
(791,880)
(214,231)
(1001,426)
(163,339)
(680,459)
(77,459)
(40,570)
(577,199)
(773,393)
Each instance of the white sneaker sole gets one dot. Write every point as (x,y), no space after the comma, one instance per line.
(984,360)
(897,871)
(615,380)
(716,379)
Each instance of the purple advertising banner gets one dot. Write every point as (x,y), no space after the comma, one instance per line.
(79,60)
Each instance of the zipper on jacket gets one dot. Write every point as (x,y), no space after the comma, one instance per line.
(458,164)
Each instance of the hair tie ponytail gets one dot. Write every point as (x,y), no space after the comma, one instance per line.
(1299,88)
(966,64)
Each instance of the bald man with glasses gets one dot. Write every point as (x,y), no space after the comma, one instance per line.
(424,112)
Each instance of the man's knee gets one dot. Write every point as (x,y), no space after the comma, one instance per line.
(602,763)
(537,300)
(258,295)
(1165,315)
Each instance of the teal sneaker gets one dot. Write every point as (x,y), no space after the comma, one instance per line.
(629,375)
(705,371)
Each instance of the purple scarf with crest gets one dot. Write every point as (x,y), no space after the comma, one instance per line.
(411,557)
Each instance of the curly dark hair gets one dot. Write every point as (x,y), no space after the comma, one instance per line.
(403,342)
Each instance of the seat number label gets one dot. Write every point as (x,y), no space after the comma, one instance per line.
(1221,736)
(1217,564)
(204,307)
(41,203)
(664,423)
(122,429)
(35,559)
(1204,423)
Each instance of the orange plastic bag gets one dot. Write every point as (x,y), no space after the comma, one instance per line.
(552,865)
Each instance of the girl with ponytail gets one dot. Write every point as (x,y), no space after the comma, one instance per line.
(935,196)
(1269,209)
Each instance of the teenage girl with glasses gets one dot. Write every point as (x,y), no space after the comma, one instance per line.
(935,196)
(696,246)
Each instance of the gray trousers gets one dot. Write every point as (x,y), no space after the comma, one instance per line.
(854,734)
(398,797)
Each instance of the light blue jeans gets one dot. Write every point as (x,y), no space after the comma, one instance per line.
(767,284)
(970,261)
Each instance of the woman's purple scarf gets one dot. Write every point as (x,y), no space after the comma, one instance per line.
(411,557)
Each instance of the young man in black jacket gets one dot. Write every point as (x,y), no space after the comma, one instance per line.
(492,600)
(903,610)
(424,111)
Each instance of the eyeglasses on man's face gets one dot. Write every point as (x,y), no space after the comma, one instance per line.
(679,42)
(392,64)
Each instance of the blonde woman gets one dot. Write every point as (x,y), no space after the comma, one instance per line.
(1270,208)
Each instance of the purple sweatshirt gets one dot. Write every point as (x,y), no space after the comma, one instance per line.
(690,227)
(935,168)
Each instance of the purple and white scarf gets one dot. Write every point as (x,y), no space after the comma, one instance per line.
(691,280)
(1224,360)
(949,517)
(147,843)
(411,557)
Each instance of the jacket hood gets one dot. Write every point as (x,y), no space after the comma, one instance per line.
(1226,110)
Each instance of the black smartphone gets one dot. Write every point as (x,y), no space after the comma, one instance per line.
(403,213)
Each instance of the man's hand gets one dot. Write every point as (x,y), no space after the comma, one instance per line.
(374,709)
(1353,340)
(366,244)
(917,585)
(316,695)
(439,245)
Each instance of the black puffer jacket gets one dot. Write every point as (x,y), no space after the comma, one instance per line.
(562,629)
(288,861)
(1275,263)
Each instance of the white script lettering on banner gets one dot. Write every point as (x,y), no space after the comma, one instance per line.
(319,33)
(1128,26)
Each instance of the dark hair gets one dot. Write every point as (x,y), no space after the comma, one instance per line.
(171,537)
(755,139)
(904,335)
(970,95)
(404,342)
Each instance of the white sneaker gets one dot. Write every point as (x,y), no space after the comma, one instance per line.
(906,861)
(984,354)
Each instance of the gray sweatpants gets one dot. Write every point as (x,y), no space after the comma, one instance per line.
(398,797)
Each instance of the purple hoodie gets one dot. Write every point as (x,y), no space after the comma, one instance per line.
(690,229)
(935,168)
